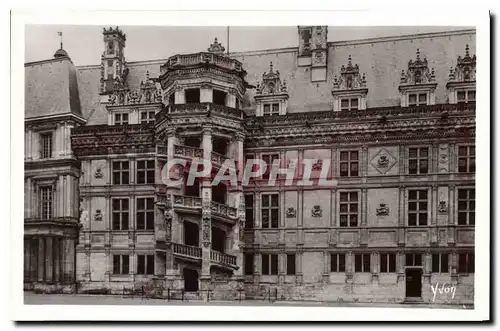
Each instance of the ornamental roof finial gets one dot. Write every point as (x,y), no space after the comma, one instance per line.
(467,50)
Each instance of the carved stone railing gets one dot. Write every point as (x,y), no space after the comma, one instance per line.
(223,210)
(187,201)
(201,58)
(161,150)
(217,158)
(163,201)
(188,151)
(223,259)
(188,251)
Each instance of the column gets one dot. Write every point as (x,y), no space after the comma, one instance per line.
(231,100)
(257,267)
(281,266)
(29,195)
(59,197)
(427,264)
(33,259)
(67,196)
(434,205)
(57,261)
(179,96)
(56,146)
(49,259)
(27,260)
(326,265)
(206,222)
(206,93)
(299,272)
(41,259)
(401,215)
(69,259)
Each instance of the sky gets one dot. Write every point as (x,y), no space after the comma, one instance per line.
(85,45)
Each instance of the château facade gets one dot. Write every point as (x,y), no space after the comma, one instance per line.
(391,119)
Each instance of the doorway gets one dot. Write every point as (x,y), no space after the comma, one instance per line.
(413,282)
(191,234)
(190,280)
(218,239)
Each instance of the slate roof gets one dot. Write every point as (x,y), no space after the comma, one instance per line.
(51,88)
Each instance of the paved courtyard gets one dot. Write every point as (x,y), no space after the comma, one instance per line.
(31,298)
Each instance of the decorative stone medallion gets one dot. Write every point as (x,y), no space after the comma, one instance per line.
(442,208)
(383,161)
(382,210)
(291,212)
(98,215)
(317,211)
(98,173)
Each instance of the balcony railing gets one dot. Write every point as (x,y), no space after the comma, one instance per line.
(187,201)
(223,259)
(187,251)
(223,210)
(217,158)
(188,151)
(161,150)
(201,58)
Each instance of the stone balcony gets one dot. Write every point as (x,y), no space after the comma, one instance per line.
(196,59)
(193,205)
(188,152)
(192,253)
(224,212)
(223,260)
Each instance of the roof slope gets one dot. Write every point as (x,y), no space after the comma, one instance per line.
(51,88)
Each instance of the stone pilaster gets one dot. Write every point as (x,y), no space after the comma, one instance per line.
(49,259)
(41,259)
(57,259)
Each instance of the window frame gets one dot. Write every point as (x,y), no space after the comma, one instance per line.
(418,94)
(146,170)
(468,211)
(121,121)
(468,159)
(469,267)
(121,264)
(49,212)
(336,262)
(349,163)
(146,213)
(349,203)
(270,208)
(418,158)
(349,101)
(147,264)
(120,212)
(417,211)
(413,263)
(249,208)
(466,91)
(46,153)
(364,263)
(249,257)
(121,171)
(289,270)
(148,118)
(390,260)
(270,259)
(442,268)
(273,110)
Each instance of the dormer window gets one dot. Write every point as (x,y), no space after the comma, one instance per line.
(349,89)
(349,104)
(417,84)
(121,119)
(417,99)
(272,94)
(271,109)
(462,79)
(466,96)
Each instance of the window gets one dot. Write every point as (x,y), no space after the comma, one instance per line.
(171,99)
(269,160)
(120,214)
(145,264)
(192,95)
(349,164)
(249,264)
(121,119)
(413,260)
(466,206)
(237,105)
(120,172)
(219,97)
(362,262)
(417,207)
(269,264)
(418,160)
(145,214)
(348,209)
(466,96)
(120,264)
(46,148)
(466,159)
(270,211)
(337,263)
(46,202)
(440,263)
(466,263)
(290,264)
(147,117)
(271,109)
(145,172)
(415,99)
(388,262)
(249,211)
(349,104)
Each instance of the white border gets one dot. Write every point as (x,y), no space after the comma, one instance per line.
(428,15)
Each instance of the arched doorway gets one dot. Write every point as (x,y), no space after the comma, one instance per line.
(190,280)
